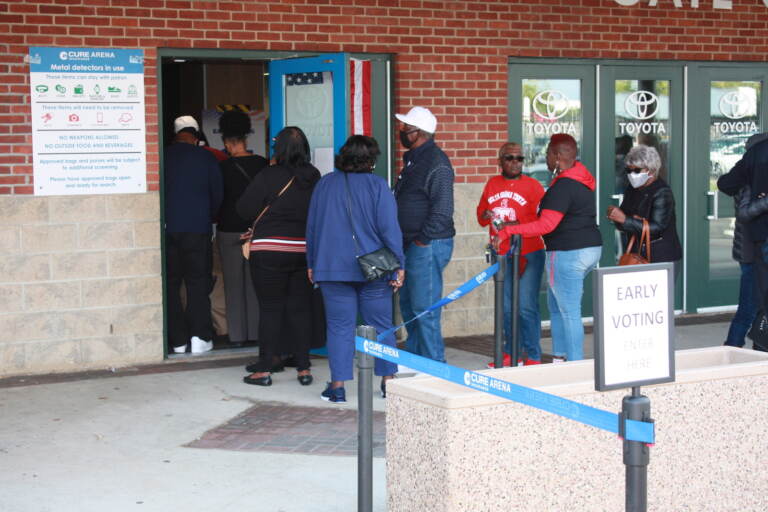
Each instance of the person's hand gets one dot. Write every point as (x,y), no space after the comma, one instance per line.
(416,242)
(397,283)
(496,243)
(487,214)
(309,275)
(245,236)
(615,214)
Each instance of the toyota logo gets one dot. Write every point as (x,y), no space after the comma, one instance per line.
(641,105)
(734,105)
(550,105)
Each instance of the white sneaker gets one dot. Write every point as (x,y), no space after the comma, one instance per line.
(199,346)
(180,349)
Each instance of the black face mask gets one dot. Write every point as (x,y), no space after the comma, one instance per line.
(404,138)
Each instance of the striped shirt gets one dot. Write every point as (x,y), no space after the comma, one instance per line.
(279,244)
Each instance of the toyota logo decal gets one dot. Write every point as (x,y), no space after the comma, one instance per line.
(641,105)
(550,105)
(734,105)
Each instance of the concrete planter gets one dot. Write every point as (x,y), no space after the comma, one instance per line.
(453,449)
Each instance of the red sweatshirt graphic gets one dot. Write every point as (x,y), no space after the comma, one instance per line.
(510,200)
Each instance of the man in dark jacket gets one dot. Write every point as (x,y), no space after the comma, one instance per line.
(752,171)
(424,193)
(193,193)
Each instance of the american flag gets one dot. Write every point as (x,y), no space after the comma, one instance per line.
(360,97)
(303,78)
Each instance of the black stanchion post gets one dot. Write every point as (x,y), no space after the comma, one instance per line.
(636,453)
(498,310)
(517,240)
(365,424)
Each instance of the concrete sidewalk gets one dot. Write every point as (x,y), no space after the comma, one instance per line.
(128,442)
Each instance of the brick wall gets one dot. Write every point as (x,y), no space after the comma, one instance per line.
(451,55)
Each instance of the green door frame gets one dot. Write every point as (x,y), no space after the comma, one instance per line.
(381,104)
(704,291)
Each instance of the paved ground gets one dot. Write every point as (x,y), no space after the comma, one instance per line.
(157,441)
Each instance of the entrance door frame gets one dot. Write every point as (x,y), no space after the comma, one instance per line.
(380,107)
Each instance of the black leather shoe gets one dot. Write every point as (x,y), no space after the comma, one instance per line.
(305,380)
(258,381)
(254,367)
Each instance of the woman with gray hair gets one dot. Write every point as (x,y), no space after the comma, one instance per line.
(648,197)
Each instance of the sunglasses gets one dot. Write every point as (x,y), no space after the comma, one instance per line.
(633,170)
(509,158)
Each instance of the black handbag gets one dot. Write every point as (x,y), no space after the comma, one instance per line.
(758,333)
(374,264)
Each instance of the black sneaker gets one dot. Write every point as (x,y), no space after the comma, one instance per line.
(337,395)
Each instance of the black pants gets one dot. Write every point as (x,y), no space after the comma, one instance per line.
(285,306)
(188,260)
(761,275)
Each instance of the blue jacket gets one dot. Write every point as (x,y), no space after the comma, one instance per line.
(331,252)
(193,188)
(424,192)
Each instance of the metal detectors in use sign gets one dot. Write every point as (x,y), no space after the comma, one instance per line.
(634,325)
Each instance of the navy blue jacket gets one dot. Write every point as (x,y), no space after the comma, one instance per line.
(751,170)
(331,252)
(424,193)
(193,188)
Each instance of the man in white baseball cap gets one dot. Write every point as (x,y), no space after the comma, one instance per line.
(424,193)
(193,194)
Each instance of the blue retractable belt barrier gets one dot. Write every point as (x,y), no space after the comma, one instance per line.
(635,430)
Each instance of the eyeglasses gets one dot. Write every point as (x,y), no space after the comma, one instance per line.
(408,132)
(633,169)
(509,158)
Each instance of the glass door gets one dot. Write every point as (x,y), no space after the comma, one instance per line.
(733,105)
(311,93)
(549,99)
(639,104)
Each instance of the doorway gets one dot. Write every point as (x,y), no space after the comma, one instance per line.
(206,83)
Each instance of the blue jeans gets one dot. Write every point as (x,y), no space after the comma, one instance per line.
(529,325)
(343,300)
(566,271)
(423,287)
(746,310)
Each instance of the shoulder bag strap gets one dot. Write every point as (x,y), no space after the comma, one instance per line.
(645,238)
(242,171)
(349,213)
(270,204)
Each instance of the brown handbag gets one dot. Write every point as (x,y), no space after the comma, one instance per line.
(247,237)
(635,258)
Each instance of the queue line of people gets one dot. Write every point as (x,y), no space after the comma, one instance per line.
(305,231)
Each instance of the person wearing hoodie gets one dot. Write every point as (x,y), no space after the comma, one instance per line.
(648,197)
(568,222)
(278,200)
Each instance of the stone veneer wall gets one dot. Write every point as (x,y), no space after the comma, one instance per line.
(80,282)
(473,313)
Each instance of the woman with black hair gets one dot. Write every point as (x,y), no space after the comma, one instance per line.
(278,200)
(237,172)
(353,196)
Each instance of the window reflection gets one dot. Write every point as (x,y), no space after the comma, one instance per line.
(549,106)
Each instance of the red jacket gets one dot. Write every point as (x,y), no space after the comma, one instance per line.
(516,199)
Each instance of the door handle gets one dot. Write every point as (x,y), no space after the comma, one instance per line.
(714,196)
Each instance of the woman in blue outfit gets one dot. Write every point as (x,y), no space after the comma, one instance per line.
(354,194)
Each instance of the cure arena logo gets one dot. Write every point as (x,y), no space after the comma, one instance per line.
(734,105)
(550,105)
(641,105)
(467,378)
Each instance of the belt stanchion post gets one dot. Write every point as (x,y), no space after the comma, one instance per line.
(365,424)
(636,453)
(498,309)
(515,255)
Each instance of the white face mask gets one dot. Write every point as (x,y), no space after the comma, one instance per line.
(638,179)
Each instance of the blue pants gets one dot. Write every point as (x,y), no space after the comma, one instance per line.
(566,271)
(423,287)
(747,308)
(343,300)
(529,324)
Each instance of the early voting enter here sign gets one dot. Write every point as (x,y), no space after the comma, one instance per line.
(634,325)
(88,126)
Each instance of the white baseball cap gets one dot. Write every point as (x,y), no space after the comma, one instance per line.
(419,117)
(185,122)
